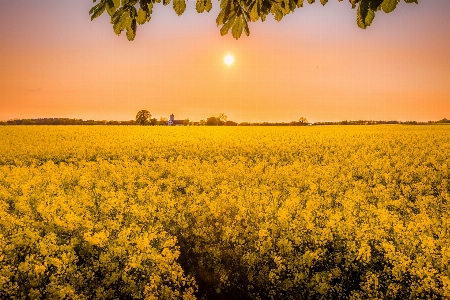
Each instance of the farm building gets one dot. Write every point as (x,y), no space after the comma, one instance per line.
(172,121)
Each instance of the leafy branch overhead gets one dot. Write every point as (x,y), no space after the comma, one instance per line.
(234,14)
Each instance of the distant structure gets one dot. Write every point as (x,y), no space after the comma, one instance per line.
(172,121)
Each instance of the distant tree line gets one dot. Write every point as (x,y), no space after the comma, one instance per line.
(221,120)
(64,121)
(264,124)
(144,117)
(372,122)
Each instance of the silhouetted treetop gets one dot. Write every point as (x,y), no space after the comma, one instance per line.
(234,14)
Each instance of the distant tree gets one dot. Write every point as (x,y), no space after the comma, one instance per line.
(186,122)
(202,123)
(142,117)
(130,122)
(153,121)
(163,121)
(234,15)
(212,121)
(230,123)
(223,117)
(303,121)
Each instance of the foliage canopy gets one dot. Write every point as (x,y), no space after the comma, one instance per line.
(142,117)
(234,14)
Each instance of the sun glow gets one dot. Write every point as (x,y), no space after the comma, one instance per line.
(228,59)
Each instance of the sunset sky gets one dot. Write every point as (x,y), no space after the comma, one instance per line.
(316,63)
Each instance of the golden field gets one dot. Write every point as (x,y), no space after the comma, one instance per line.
(338,212)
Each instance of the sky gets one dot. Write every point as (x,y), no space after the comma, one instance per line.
(316,63)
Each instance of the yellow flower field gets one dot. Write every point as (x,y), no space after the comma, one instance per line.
(338,212)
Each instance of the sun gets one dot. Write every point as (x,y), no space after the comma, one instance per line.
(228,59)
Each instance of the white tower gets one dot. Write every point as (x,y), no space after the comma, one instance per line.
(172,118)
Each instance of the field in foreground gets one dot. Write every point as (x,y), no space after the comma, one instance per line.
(225,213)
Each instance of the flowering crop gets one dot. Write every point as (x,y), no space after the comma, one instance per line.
(336,212)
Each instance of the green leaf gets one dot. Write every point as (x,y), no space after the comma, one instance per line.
(292,5)
(224,3)
(246,29)
(311,1)
(131,32)
(323,2)
(375,4)
(94,8)
(130,35)
(208,5)
(226,27)
(287,7)
(117,15)
(363,10)
(203,5)
(266,7)
(388,5)
(133,12)
(166,2)
(220,17)
(141,16)
(200,6)
(412,1)
(122,23)
(254,13)
(98,9)
(299,3)
(276,12)
(179,6)
(246,14)
(225,13)
(238,27)
(110,7)
(117,29)
(149,10)
(369,18)
(360,23)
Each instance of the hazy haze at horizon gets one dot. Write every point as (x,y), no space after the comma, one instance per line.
(316,62)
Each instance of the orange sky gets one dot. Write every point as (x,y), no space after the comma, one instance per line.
(55,62)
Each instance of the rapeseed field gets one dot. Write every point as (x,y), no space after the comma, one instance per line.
(338,212)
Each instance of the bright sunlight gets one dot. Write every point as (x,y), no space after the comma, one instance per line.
(228,59)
